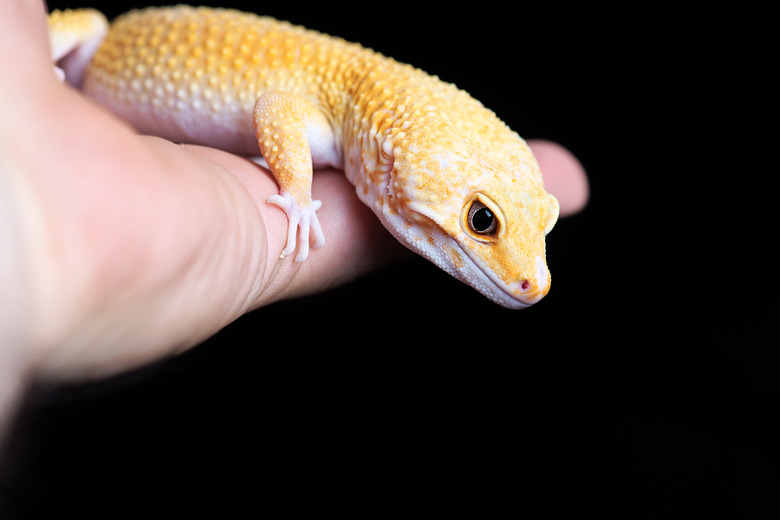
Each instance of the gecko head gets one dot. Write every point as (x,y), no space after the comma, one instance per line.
(486,228)
(498,244)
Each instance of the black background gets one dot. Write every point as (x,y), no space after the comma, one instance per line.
(645,385)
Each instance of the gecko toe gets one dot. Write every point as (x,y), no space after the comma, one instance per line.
(302,223)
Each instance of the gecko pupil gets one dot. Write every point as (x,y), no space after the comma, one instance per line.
(482,220)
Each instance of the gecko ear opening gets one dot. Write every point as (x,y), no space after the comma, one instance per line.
(553,210)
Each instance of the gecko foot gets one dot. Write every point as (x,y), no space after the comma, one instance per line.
(301,220)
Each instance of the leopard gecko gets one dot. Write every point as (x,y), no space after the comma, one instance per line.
(441,171)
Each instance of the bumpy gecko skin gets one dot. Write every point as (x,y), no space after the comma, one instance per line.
(446,177)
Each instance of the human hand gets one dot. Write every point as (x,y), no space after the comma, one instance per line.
(120,249)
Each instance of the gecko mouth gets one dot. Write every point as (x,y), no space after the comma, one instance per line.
(518,295)
(466,268)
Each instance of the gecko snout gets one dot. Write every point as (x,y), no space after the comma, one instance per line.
(531,289)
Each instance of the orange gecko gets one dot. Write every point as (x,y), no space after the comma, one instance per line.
(443,173)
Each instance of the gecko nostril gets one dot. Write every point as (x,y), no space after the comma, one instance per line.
(525,284)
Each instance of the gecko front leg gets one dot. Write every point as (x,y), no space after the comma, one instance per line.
(283,123)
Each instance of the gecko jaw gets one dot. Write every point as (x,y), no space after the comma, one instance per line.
(517,295)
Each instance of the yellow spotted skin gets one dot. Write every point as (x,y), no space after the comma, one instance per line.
(433,163)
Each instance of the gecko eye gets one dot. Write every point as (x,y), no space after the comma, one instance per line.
(481,219)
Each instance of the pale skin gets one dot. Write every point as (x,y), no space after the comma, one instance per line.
(120,249)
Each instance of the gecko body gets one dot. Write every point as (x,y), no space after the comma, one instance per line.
(444,175)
